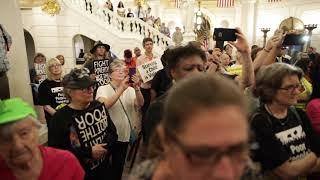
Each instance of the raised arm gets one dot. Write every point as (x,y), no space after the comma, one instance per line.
(247,68)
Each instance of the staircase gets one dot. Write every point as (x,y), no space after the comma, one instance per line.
(121,28)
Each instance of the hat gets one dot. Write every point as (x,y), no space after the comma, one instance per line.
(78,78)
(99,43)
(15,109)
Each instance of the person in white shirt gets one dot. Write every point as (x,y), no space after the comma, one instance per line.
(123,103)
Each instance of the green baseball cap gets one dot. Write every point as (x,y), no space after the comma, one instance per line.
(15,109)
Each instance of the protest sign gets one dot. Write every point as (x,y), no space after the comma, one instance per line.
(101,68)
(148,70)
(90,127)
(40,71)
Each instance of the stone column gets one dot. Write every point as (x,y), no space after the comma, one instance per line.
(18,75)
(248,20)
(189,35)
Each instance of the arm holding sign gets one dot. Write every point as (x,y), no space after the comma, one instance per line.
(112,99)
(136,85)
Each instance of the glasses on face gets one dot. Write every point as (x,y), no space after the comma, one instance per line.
(210,156)
(89,89)
(120,70)
(291,88)
(55,66)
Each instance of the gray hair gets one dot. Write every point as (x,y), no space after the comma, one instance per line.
(6,129)
(115,64)
(270,78)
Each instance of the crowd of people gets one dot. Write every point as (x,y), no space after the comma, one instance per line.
(238,112)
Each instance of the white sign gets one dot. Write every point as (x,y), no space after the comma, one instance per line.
(149,69)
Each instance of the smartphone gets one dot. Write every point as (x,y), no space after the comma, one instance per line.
(224,34)
(293,39)
(132,71)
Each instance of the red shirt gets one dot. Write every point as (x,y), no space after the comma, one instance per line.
(132,63)
(313,111)
(57,165)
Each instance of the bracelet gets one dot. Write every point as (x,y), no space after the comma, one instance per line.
(266,50)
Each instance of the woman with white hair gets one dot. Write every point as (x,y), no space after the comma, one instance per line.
(123,103)
(21,157)
(50,90)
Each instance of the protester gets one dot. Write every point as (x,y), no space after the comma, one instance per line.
(182,62)
(228,49)
(20,155)
(282,56)
(84,126)
(185,148)
(161,82)
(5,44)
(306,84)
(129,60)
(123,103)
(61,59)
(144,58)
(313,107)
(51,91)
(287,147)
(100,64)
(137,52)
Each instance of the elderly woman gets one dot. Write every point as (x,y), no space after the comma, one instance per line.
(51,91)
(123,103)
(207,140)
(288,148)
(84,126)
(21,157)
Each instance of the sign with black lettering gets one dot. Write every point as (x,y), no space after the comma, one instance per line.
(101,68)
(90,127)
(40,71)
(149,69)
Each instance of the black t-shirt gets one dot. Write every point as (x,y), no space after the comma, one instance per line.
(153,116)
(101,69)
(51,93)
(92,128)
(161,82)
(280,140)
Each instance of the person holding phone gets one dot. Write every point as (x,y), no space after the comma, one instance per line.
(123,103)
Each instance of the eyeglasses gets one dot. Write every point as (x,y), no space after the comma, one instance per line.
(210,156)
(55,65)
(291,88)
(89,89)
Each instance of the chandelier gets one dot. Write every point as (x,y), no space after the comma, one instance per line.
(51,7)
(198,18)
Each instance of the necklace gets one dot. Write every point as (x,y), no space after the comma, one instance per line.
(282,121)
